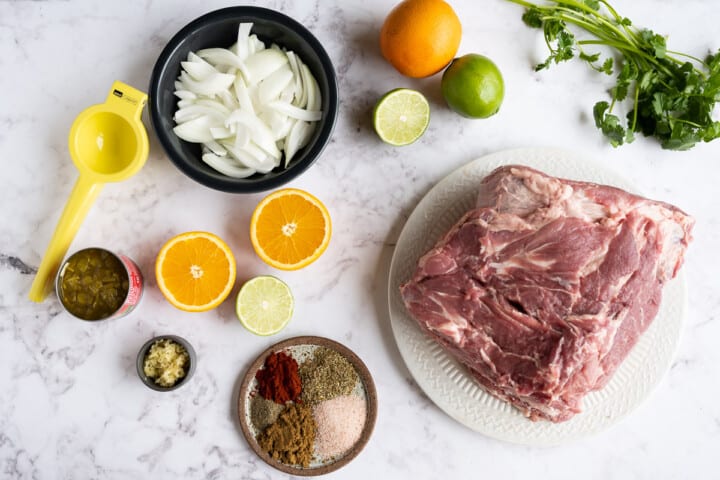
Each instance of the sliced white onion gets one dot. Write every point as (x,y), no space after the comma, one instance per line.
(243,46)
(294,112)
(261,64)
(279,124)
(198,69)
(242,94)
(297,139)
(221,56)
(253,108)
(248,157)
(214,104)
(196,130)
(261,133)
(196,110)
(221,133)
(311,86)
(216,148)
(185,95)
(229,100)
(242,136)
(274,84)
(185,103)
(255,44)
(298,90)
(226,167)
(210,86)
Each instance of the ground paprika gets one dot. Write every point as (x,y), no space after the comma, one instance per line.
(279,380)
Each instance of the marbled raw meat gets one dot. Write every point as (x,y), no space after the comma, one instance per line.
(543,288)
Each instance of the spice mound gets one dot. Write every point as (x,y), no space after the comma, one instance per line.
(166,362)
(309,407)
(340,422)
(93,284)
(264,413)
(326,375)
(279,380)
(291,438)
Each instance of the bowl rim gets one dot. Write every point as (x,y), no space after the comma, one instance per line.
(141,359)
(263,183)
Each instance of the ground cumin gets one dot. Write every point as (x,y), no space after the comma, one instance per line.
(291,438)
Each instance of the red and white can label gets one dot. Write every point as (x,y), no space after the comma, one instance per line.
(135,287)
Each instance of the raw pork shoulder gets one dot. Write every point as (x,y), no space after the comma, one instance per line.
(543,289)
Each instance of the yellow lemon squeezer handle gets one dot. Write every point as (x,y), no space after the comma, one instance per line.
(81,199)
(107,143)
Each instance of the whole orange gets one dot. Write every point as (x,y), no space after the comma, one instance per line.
(420,37)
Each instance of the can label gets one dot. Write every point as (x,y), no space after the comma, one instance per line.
(135,287)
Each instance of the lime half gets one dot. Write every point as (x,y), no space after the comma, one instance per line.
(264,305)
(401,116)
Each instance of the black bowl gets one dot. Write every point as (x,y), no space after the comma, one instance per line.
(219,29)
(140,362)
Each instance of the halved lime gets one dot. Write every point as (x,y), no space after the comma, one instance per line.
(401,116)
(264,305)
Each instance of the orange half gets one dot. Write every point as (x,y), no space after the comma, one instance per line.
(290,229)
(195,271)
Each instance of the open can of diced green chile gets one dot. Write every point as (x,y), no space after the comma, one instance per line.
(96,284)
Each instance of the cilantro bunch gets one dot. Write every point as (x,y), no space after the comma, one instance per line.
(673,93)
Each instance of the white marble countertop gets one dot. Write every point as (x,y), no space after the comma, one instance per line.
(71,405)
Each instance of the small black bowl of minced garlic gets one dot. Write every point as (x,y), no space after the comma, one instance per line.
(166,362)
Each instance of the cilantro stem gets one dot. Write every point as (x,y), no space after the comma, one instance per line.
(687,122)
(611,10)
(617,45)
(691,57)
(635,110)
(593,27)
(523,3)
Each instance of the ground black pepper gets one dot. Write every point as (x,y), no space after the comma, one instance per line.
(264,412)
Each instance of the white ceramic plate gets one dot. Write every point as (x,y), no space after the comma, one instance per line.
(449,385)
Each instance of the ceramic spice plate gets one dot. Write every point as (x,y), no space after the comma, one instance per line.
(343,422)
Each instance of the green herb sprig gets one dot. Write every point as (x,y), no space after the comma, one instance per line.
(673,93)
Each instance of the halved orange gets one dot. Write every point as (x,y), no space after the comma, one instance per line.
(290,229)
(195,271)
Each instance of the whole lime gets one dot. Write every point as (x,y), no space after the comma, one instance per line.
(473,86)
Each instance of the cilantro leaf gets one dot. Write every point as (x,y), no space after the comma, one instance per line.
(533,18)
(565,41)
(607,66)
(590,58)
(711,132)
(609,124)
(628,73)
(653,43)
(682,137)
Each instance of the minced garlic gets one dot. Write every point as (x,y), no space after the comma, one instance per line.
(166,362)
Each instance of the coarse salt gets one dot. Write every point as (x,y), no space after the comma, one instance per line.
(340,423)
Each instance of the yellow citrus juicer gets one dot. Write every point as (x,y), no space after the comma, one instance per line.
(108,143)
